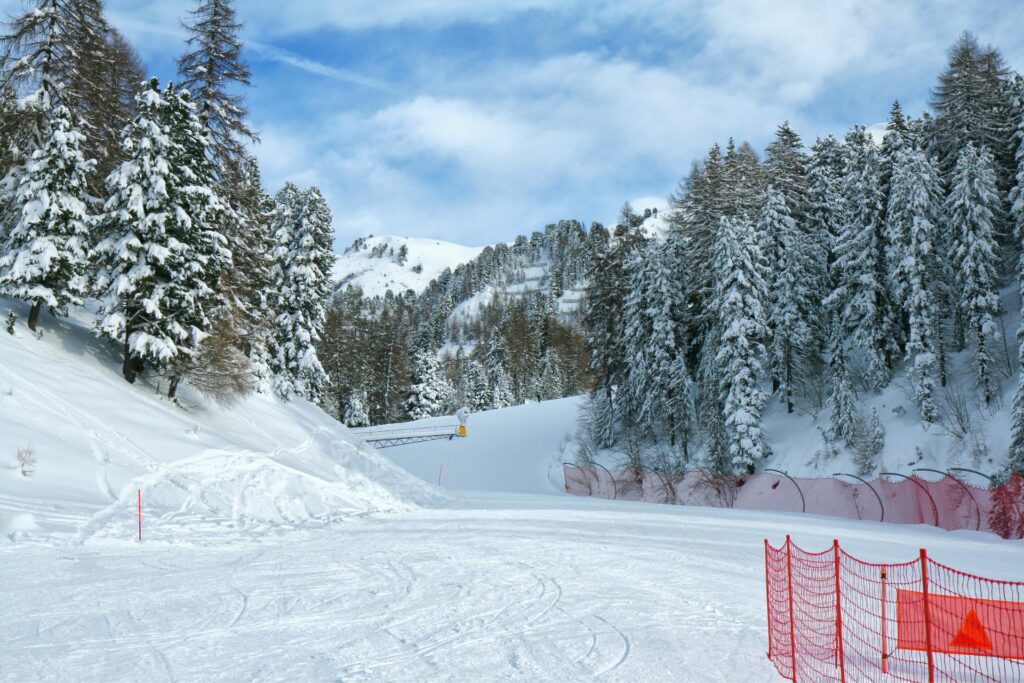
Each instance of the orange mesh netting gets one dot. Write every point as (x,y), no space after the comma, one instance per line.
(832,617)
(948,502)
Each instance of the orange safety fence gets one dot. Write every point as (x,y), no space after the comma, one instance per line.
(833,617)
(948,503)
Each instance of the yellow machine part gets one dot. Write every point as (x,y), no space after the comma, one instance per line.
(462,430)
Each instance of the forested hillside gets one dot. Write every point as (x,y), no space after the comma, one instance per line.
(145,198)
(816,276)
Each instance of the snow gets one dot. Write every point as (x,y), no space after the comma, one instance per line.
(516,449)
(99,440)
(491,587)
(278,548)
(377,274)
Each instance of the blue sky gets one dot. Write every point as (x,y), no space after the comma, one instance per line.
(476,120)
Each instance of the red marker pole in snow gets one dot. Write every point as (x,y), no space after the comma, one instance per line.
(140,515)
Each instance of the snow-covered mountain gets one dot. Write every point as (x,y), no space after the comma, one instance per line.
(376,264)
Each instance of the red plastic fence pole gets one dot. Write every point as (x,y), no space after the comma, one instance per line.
(927,616)
(885,646)
(767,598)
(839,616)
(789,585)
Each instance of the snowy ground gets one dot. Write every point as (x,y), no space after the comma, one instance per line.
(278,548)
(493,586)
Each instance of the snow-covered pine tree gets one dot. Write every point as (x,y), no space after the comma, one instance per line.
(429,392)
(744,178)
(697,205)
(478,391)
(972,104)
(794,298)
(1015,459)
(912,219)
(786,168)
(860,298)
(251,296)
(869,440)
(501,389)
(971,208)
(825,197)
(193,295)
(656,391)
(740,293)
(44,256)
(552,384)
(302,283)
(897,137)
(50,51)
(159,255)
(355,414)
(842,404)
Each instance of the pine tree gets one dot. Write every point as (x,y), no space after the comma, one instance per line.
(355,410)
(860,299)
(912,218)
(740,293)
(794,302)
(429,392)
(869,440)
(50,51)
(972,105)
(552,384)
(302,263)
(160,256)
(212,72)
(972,207)
(43,259)
(897,137)
(843,417)
(656,391)
(826,209)
(1016,453)
(479,395)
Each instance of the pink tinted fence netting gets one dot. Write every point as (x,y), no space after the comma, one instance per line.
(948,502)
(833,617)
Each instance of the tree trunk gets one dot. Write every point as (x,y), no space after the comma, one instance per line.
(128,366)
(33,314)
(172,388)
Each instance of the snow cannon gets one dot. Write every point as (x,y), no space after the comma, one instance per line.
(463,415)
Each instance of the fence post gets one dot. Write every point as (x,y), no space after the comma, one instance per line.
(927,616)
(885,646)
(789,590)
(839,616)
(767,598)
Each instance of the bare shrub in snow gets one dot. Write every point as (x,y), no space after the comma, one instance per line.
(868,441)
(954,412)
(719,489)
(12,318)
(27,460)
(220,371)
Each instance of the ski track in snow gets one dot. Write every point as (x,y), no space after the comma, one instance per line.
(502,586)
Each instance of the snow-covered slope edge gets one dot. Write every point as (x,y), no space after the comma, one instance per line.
(377,264)
(98,440)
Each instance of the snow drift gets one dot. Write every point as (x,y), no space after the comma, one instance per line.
(98,440)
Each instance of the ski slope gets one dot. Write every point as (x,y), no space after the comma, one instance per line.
(99,440)
(489,587)
(277,547)
(517,449)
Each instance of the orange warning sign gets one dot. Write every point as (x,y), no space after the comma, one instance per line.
(961,626)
